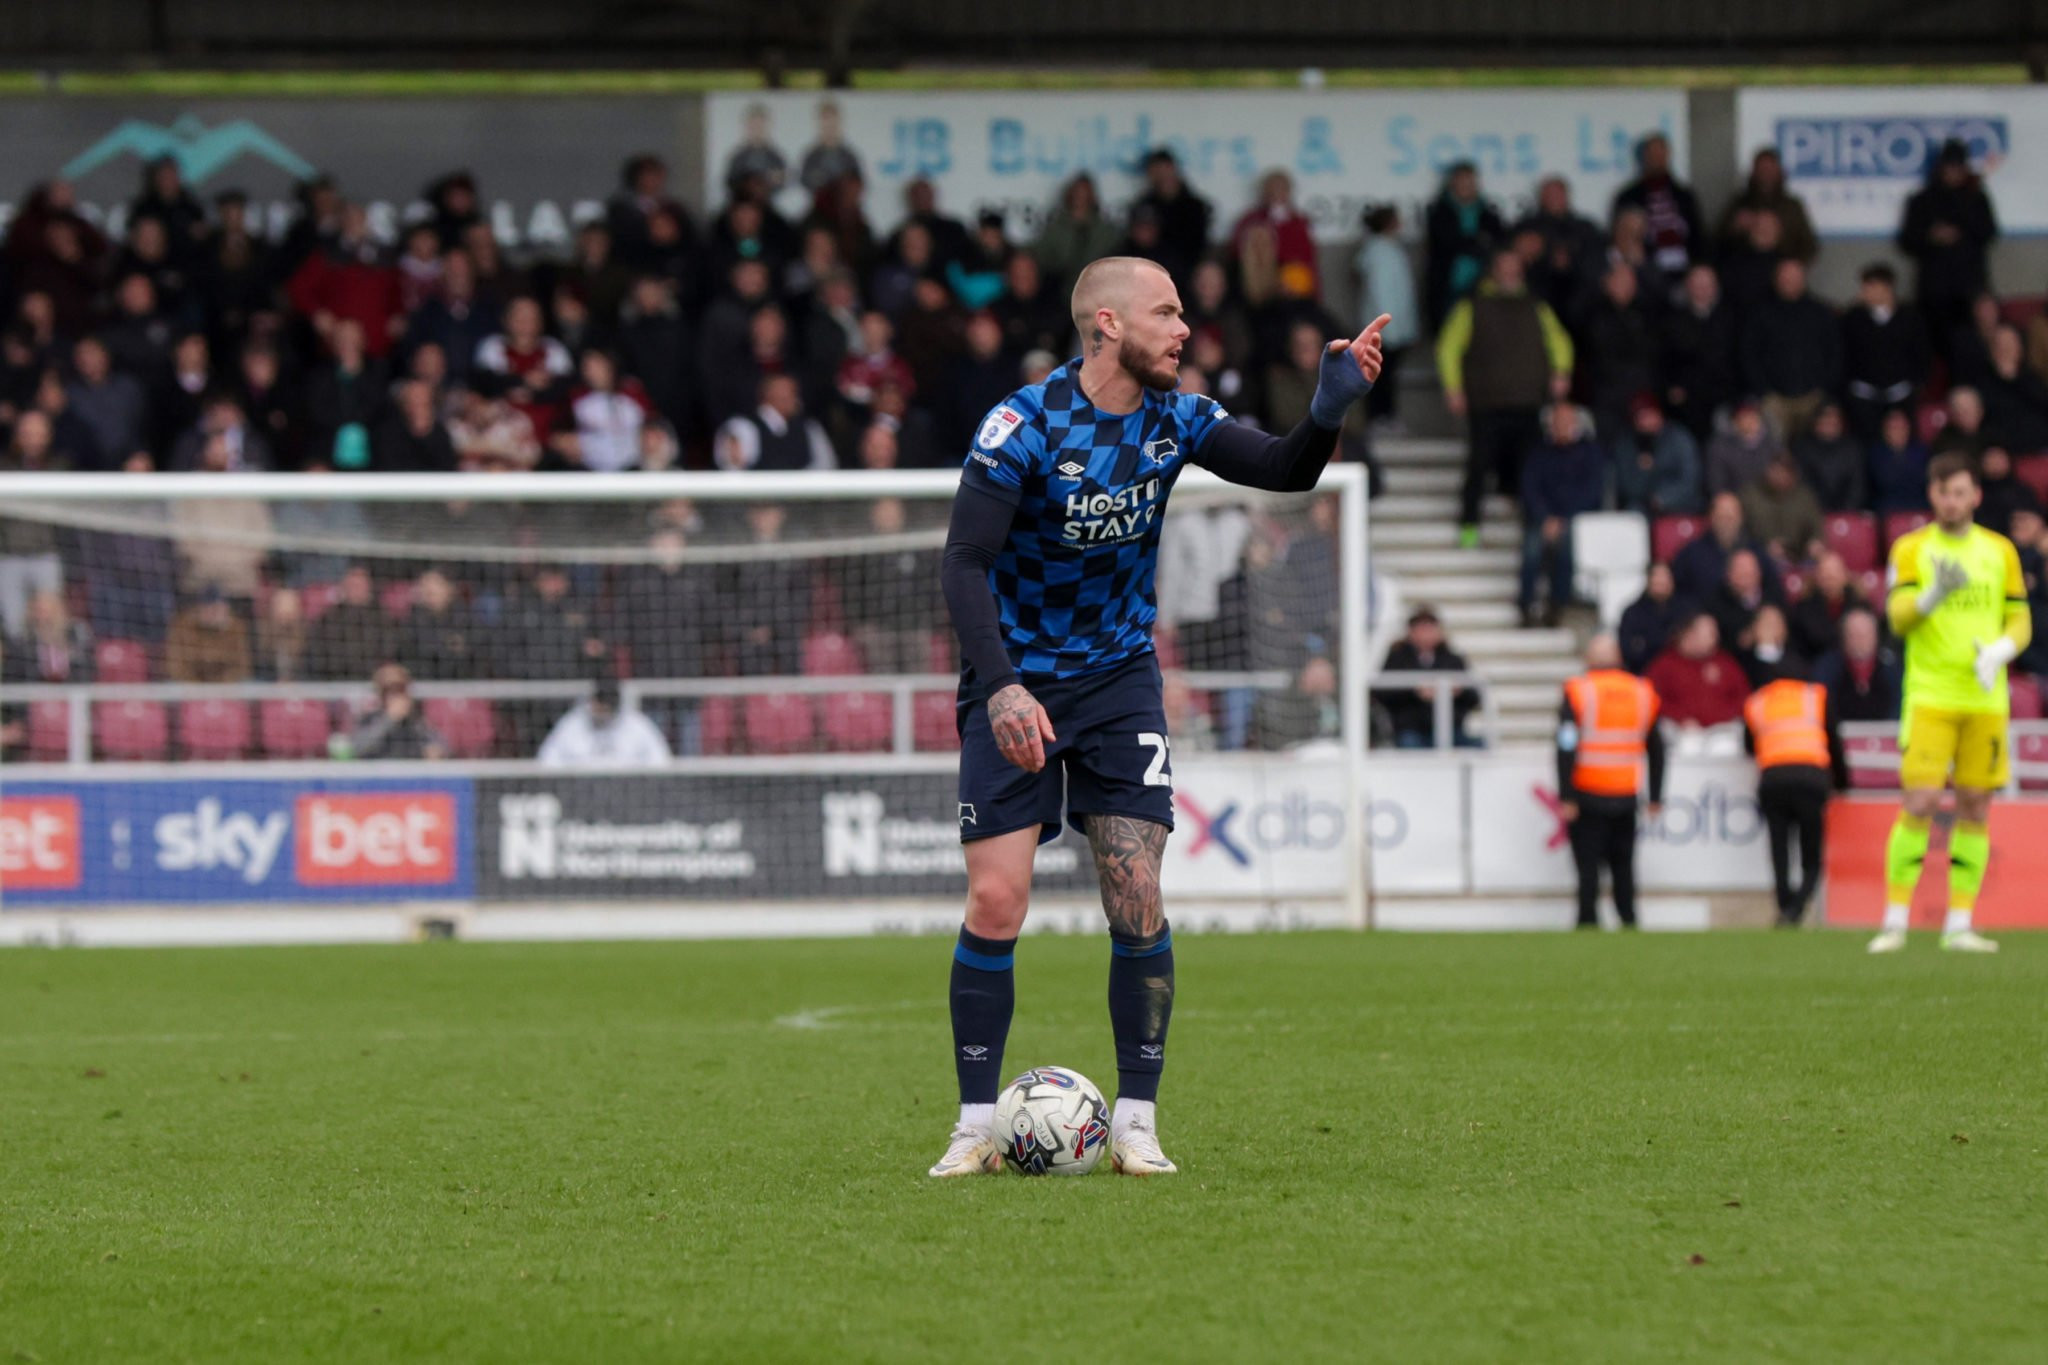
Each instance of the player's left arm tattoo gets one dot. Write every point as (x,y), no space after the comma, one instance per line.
(1127,853)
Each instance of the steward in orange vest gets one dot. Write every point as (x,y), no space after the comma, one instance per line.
(1606,734)
(1790,725)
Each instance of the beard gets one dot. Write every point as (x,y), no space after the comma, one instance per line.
(1154,372)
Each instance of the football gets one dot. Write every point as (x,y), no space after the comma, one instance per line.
(1052,1121)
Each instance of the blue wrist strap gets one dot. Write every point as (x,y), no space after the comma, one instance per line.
(1339,384)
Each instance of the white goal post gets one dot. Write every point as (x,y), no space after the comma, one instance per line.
(305,700)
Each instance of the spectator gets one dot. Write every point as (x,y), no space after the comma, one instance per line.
(349,281)
(140,333)
(1076,232)
(655,345)
(1898,466)
(1948,230)
(2004,494)
(2031,540)
(1792,352)
(1413,710)
(1619,359)
(1770,654)
(1739,452)
(767,599)
(222,420)
(981,378)
(980,279)
(873,362)
(1862,678)
(1465,236)
(1766,192)
(929,335)
(316,227)
(302,527)
(917,446)
(1032,316)
(455,212)
(1749,268)
(1565,476)
(549,632)
(281,638)
(1701,566)
(891,599)
(110,403)
(412,439)
(1305,715)
(54,648)
(597,275)
(345,400)
(837,209)
(272,406)
(394,727)
(1698,683)
(1290,384)
(29,559)
(598,733)
(1816,618)
(666,612)
(1831,462)
(609,412)
(489,434)
(776,435)
(2015,398)
(133,576)
(950,241)
(1182,215)
(1964,429)
(1387,285)
(1885,358)
(1744,590)
(634,211)
(1648,622)
(1275,211)
(207,643)
(419,267)
(167,202)
(1782,512)
(1671,211)
(221,542)
(455,318)
(1501,355)
(1656,464)
(234,274)
(353,636)
(1969,345)
(439,638)
(1571,246)
(1699,353)
(525,367)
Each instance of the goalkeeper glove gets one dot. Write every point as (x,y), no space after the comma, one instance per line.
(1993,657)
(1949,577)
(1339,384)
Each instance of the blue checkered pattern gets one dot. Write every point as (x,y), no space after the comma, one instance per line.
(1074,583)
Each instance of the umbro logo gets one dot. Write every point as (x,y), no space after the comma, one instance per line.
(1152,1051)
(1072,470)
(973,1051)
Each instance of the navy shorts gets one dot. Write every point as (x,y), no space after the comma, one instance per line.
(1111,757)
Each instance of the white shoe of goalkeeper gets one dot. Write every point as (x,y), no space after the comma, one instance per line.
(970,1152)
(1968,941)
(1890,941)
(1136,1152)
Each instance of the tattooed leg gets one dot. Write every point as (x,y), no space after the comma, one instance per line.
(1127,854)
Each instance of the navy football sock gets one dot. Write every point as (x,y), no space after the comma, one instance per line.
(983,995)
(1140,1007)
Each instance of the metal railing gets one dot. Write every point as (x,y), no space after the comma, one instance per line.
(1872,747)
(1443,700)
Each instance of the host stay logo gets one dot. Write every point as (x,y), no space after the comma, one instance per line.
(375,839)
(39,843)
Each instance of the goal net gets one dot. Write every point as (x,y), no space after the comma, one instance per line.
(232,687)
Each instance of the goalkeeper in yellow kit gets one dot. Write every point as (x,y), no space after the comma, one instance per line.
(1958,600)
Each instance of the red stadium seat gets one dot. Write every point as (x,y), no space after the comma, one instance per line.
(859,722)
(2021,310)
(934,722)
(1853,536)
(939,657)
(396,598)
(1871,584)
(288,727)
(316,598)
(779,723)
(1928,420)
(2032,470)
(2031,749)
(1669,535)
(831,655)
(1794,581)
(2026,696)
(121,661)
(49,731)
(138,731)
(718,725)
(1897,524)
(1882,777)
(214,731)
(469,725)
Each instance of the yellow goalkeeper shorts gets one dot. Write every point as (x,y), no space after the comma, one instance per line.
(1973,743)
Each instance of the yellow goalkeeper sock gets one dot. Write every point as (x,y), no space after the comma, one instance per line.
(1905,853)
(1969,852)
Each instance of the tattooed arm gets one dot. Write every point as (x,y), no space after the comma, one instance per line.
(1127,852)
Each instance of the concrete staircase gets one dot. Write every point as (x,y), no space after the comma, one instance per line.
(1414,539)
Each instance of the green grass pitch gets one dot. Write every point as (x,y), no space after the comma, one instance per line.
(1732,1147)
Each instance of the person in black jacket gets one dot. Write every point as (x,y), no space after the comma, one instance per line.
(2004,495)
(1861,677)
(1885,354)
(1620,355)
(1816,618)
(1413,710)
(2015,399)
(1793,795)
(1463,232)
(1948,229)
(1699,353)
(1672,211)
(1182,215)
(1647,624)
(1833,462)
(1792,352)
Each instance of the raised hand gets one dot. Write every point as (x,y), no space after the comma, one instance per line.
(1348,370)
(1022,729)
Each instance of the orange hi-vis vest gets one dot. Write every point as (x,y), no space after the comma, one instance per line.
(1615,711)
(1788,720)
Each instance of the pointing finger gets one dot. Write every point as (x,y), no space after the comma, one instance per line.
(1376,326)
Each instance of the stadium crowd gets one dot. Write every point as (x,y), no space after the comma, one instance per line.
(1653,362)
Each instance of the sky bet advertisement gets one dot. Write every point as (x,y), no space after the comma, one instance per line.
(224,842)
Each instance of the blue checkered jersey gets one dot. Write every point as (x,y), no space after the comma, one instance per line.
(1074,582)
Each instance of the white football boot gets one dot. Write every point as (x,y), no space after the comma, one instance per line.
(1136,1151)
(1968,941)
(1890,941)
(970,1152)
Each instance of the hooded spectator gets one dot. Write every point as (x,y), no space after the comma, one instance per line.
(655,345)
(412,437)
(1831,461)
(345,400)
(1948,229)
(1031,315)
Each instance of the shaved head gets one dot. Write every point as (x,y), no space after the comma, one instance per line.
(1603,651)
(1128,306)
